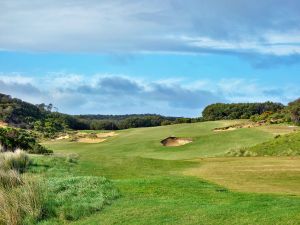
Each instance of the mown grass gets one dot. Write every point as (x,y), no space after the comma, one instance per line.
(251,174)
(184,200)
(153,188)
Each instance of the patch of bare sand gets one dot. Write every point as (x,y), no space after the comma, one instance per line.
(105,135)
(3,124)
(63,137)
(90,140)
(174,141)
(95,138)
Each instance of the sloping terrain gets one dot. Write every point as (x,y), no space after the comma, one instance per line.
(157,187)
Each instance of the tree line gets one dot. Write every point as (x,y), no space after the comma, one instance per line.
(43,119)
(266,112)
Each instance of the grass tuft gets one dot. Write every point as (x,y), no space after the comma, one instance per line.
(24,204)
(17,160)
(76,197)
(10,179)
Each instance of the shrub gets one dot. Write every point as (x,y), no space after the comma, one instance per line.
(12,139)
(17,160)
(39,149)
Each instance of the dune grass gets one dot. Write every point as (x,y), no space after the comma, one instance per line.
(287,145)
(17,160)
(154,189)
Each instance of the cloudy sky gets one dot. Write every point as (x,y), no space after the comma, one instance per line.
(171,57)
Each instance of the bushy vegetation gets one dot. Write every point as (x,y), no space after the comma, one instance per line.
(40,117)
(12,139)
(120,122)
(222,111)
(268,112)
(43,119)
(294,110)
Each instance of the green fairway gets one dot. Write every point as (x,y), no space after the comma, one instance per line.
(155,187)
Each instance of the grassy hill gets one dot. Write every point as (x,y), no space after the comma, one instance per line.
(288,145)
(189,184)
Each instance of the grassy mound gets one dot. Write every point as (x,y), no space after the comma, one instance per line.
(77,197)
(286,145)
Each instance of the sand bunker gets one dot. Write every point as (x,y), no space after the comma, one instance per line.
(63,137)
(90,140)
(174,141)
(106,135)
(3,124)
(95,138)
(87,137)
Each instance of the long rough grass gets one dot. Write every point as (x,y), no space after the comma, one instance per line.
(10,179)
(17,160)
(77,197)
(22,198)
(23,204)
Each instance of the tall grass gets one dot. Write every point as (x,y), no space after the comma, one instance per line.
(24,204)
(17,160)
(10,179)
(22,198)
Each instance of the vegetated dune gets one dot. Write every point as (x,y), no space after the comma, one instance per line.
(174,141)
(238,126)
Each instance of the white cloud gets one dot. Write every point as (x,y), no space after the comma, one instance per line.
(265,27)
(113,94)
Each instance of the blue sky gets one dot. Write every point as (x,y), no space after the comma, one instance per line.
(172,57)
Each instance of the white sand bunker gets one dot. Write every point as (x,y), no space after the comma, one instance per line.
(95,138)
(175,141)
(63,137)
(91,140)
(87,137)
